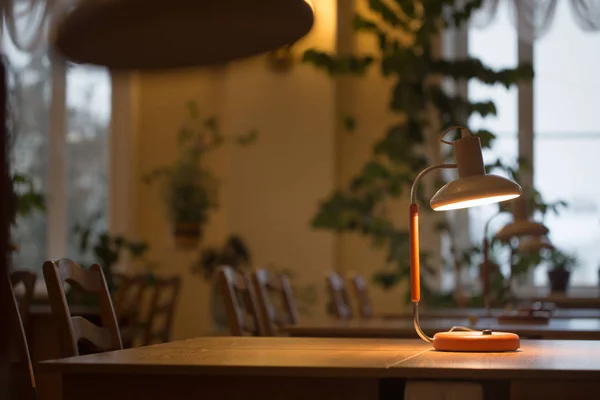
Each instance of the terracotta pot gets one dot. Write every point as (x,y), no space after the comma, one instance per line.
(187,235)
(559,279)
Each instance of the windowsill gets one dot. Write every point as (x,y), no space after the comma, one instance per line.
(572,292)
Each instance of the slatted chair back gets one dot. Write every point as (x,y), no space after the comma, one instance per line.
(361,291)
(73,330)
(242,309)
(272,289)
(162,309)
(25,279)
(338,294)
(24,380)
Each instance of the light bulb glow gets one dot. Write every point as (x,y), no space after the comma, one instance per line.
(476,202)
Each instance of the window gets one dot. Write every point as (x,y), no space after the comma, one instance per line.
(565,128)
(567,139)
(60,131)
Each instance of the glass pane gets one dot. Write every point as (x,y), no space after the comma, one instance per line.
(567,138)
(29,93)
(496,47)
(88,119)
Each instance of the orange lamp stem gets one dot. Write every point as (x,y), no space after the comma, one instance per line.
(415,267)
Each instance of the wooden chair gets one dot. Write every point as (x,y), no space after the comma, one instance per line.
(27,280)
(24,381)
(265,285)
(240,303)
(339,296)
(162,308)
(365,305)
(127,301)
(72,330)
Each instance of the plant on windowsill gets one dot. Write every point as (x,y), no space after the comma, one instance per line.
(189,188)
(107,250)
(560,265)
(405,32)
(26,200)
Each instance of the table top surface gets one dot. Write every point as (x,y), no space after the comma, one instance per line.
(572,329)
(559,313)
(365,358)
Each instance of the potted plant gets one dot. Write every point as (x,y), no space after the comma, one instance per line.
(559,269)
(189,189)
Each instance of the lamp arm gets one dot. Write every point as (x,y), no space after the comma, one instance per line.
(415,267)
(413,189)
(486,268)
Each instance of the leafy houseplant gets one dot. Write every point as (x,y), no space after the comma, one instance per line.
(559,269)
(415,69)
(26,199)
(106,250)
(189,189)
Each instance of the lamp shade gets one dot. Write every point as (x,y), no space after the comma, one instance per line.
(473,187)
(521,225)
(474,191)
(534,244)
(521,228)
(159,34)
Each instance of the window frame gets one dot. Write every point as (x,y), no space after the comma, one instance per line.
(120,141)
(459,41)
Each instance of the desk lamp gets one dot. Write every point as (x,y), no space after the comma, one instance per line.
(472,188)
(519,228)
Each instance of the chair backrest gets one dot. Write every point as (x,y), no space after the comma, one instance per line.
(127,302)
(365,305)
(25,378)
(162,310)
(72,330)
(266,285)
(27,279)
(338,294)
(240,303)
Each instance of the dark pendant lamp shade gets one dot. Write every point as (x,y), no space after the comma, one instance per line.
(162,34)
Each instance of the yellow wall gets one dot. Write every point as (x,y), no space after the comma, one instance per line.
(270,190)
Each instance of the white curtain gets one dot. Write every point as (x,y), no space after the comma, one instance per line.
(27,21)
(533,18)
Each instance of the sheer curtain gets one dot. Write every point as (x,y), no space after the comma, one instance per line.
(534,18)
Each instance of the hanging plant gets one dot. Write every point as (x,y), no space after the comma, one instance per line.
(189,189)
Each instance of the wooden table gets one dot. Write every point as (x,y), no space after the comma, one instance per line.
(557,329)
(559,313)
(289,368)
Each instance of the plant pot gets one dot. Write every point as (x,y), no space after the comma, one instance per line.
(559,279)
(187,235)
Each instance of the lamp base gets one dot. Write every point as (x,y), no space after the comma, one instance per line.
(476,341)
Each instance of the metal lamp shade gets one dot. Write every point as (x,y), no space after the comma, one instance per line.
(158,34)
(474,191)
(521,228)
(473,187)
(534,244)
(521,225)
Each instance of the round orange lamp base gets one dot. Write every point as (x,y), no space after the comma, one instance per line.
(476,341)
